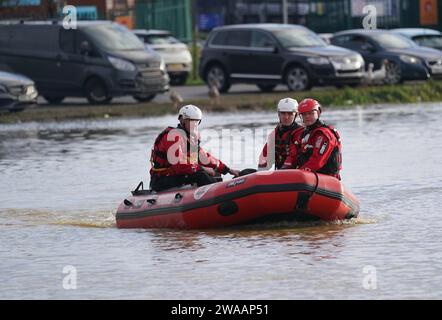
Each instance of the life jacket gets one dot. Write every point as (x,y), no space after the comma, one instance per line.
(158,159)
(334,162)
(283,136)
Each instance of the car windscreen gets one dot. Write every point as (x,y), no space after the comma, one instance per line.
(392,41)
(433,41)
(113,37)
(161,39)
(298,38)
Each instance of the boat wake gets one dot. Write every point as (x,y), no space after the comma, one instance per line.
(31,217)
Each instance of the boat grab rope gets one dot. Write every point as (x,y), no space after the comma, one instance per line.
(317,182)
(304,197)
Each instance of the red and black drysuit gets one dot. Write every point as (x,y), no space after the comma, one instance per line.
(281,138)
(176,160)
(318,149)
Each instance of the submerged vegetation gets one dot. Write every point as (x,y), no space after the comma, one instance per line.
(429,91)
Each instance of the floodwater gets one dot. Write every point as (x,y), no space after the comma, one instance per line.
(60,184)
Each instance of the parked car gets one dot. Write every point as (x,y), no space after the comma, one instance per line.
(422,37)
(176,55)
(16,92)
(403,59)
(98,60)
(270,54)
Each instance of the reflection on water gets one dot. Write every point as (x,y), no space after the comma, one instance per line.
(62,182)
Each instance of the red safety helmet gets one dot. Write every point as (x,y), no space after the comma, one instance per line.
(307,105)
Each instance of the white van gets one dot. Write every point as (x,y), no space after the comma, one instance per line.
(176,55)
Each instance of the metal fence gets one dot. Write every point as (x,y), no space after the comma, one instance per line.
(172,15)
(325,15)
(336,15)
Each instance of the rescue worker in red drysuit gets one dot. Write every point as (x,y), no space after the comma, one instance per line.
(318,148)
(281,137)
(178,159)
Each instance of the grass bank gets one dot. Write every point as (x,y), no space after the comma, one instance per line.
(430,91)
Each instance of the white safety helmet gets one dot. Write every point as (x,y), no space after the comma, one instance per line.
(288,105)
(190,112)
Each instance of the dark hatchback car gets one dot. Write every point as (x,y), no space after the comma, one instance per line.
(403,59)
(16,92)
(272,54)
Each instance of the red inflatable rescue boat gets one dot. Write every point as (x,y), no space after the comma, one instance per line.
(267,196)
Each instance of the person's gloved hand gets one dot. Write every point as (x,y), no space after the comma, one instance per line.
(234,172)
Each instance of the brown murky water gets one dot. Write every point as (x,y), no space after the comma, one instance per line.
(60,184)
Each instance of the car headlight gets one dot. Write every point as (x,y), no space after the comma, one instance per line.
(30,90)
(359,61)
(358,58)
(162,65)
(318,60)
(121,64)
(188,56)
(409,59)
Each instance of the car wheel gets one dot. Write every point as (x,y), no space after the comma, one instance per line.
(96,91)
(216,73)
(53,99)
(178,80)
(144,97)
(298,79)
(266,87)
(393,73)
